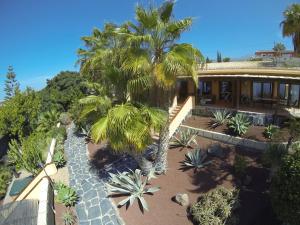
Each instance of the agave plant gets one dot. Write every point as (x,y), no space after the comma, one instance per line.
(195,159)
(220,117)
(184,139)
(239,124)
(66,195)
(59,159)
(270,131)
(132,184)
(69,218)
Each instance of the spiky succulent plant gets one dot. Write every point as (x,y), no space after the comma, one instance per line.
(220,117)
(184,139)
(195,159)
(239,124)
(66,195)
(132,184)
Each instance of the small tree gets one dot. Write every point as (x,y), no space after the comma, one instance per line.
(208,60)
(219,57)
(226,59)
(285,189)
(12,86)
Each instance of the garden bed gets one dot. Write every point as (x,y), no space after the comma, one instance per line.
(163,210)
(254,132)
(60,209)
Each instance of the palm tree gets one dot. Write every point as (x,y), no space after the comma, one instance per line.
(48,120)
(291,25)
(114,112)
(141,61)
(156,54)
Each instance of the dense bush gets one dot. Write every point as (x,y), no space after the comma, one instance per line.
(48,120)
(239,124)
(285,189)
(61,91)
(5,178)
(29,152)
(19,115)
(216,207)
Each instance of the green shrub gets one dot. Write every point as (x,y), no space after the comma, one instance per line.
(66,195)
(285,189)
(270,131)
(274,154)
(5,178)
(65,118)
(59,159)
(240,165)
(239,124)
(48,120)
(29,153)
(185,139)
(220,117)
(195,159)
(69,218)
(216,207)
(132,184)
(59,133)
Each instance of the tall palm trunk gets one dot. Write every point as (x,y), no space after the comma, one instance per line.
(161,161)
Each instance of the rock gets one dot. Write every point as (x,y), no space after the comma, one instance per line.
(182,199)
(247,180)
(216,150)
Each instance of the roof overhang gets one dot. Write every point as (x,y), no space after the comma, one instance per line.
(250,73)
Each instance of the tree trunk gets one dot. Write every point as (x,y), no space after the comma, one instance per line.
(161,161)
(144,164)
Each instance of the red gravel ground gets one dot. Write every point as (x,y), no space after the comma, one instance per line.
(254,132)
(255,207)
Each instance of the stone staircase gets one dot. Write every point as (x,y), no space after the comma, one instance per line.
(174,112)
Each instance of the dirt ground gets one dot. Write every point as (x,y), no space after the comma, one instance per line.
(254,132)
(255,207)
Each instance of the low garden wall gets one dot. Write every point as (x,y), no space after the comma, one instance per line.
(259,119)
(239,141)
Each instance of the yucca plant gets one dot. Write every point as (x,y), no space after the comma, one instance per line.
(69,218)
(195,159)
(220,118)
(66,195)
(185,139)
(239,124)
(132,184)
(270,131)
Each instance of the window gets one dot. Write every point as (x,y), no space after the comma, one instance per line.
(205,88)
(262,90)
(294,95)
(225,90)
(283,91)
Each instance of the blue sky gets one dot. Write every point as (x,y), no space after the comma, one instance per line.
(39,38)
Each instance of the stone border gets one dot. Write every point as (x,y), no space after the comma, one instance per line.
(244,142)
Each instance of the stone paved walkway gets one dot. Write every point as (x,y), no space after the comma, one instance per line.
(93,208)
